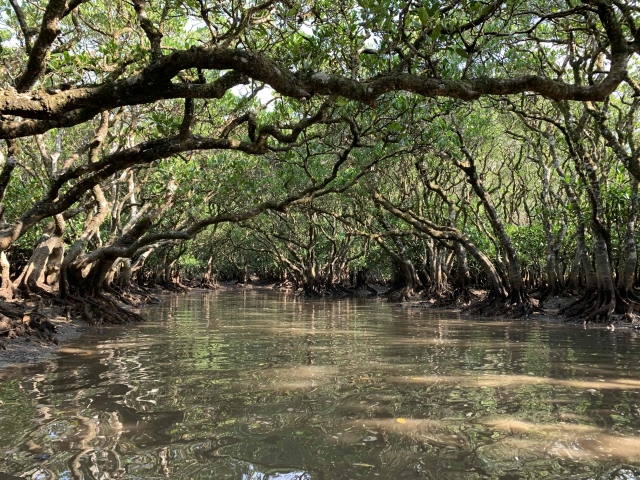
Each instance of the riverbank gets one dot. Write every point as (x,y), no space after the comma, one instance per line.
(30,349)
(35,348)
(549,312)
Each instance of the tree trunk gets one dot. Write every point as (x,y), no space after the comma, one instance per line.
(125,274)
(629,258)
(45,260)
(6,286)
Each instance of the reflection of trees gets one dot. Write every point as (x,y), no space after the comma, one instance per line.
(18,407)
(257,388)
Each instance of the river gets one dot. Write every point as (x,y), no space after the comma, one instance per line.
(255,385)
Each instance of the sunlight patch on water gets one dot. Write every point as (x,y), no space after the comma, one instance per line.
(507,381)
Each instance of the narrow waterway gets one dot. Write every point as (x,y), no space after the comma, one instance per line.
(263,386)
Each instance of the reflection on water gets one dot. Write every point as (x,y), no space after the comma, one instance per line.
(259,386)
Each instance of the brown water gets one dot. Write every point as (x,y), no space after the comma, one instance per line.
(261,386)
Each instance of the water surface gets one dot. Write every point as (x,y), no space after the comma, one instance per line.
(262,386)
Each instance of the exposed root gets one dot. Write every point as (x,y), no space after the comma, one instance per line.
(400,294)
(200,283)
(335,290)
(16,320)
(501,306)
(285,286)
(146,295)
(460,297)
(631,297)
(365,290)
(603,307)
(134,296)
(112,305)
(172,287)
(578,306)
(101,309)
(542,294)
(315,291)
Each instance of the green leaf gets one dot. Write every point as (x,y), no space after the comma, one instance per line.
(486,9)
(433,8)
(424,16)
(395,127)
(436,32)
(462,52)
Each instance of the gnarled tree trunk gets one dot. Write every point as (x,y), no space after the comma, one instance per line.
(45,261)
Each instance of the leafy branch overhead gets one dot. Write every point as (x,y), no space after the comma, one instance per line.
(460,49)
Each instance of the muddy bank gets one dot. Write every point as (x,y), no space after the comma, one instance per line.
(31,349)
(549,312)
